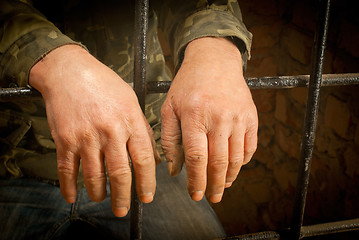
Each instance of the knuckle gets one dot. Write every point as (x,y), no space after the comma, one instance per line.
(236,157)
(119,175)
(65,169)
(196,104)
(66,137)
(222,116)
(165,109)
(195,156)
(169,141)
(142,151)
(218,165)
(95,179)
(120,201)
(235,162)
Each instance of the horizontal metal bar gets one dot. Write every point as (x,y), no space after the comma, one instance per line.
(268,235)
(277,82)
(11,94)
(330,228)
(306,231)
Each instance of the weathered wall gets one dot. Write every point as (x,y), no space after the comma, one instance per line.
(262,196)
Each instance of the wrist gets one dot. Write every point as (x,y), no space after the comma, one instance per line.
(42,74)
(213,48)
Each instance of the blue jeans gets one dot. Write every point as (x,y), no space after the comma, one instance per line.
(30,209)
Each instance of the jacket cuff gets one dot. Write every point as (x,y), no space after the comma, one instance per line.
(21,56)
(212,23)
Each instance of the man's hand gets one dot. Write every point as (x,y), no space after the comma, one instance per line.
(94,116)
(210,112)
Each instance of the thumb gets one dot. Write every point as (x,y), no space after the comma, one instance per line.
(171,140)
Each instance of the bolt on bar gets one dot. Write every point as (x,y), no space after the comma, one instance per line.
(310,120)
(141,26)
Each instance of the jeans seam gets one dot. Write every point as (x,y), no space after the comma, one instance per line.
(75,207)
(54,230)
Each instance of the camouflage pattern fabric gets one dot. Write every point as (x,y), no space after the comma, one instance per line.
(105,29)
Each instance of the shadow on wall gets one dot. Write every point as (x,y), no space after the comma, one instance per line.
(262,196)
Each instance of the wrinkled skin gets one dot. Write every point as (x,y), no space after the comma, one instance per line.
(209,110)
(94,116)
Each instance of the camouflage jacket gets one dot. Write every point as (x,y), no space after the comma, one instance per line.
(29,31)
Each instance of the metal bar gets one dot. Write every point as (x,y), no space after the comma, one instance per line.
(276,82)
(310,120)
(268,235)
(141,26)
(306,231)
(330,228)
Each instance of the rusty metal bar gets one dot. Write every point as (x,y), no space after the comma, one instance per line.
(268,235)
(306,231)
(330,228)
(141,26)
(276,82)
(310,119)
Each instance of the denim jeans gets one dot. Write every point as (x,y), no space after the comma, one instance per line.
(30,209)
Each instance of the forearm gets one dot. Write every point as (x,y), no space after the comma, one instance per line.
(183,22)
(26,36)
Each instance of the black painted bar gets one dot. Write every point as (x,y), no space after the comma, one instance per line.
(276,82)
(330,228)
(141,26)
(310,121)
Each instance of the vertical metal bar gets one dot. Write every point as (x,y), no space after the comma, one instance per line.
(310,119)
(141,25)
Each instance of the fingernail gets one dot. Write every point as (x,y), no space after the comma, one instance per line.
(146,197)
(169,167)
(158,157)
(71,199)
(197,195)
(121,211)
(228,184)
(216,198)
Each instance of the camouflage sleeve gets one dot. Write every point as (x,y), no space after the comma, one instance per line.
(184,21)
(25,37)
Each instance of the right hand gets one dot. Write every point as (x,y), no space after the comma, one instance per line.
(95,116)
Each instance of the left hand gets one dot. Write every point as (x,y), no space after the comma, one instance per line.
(209,110)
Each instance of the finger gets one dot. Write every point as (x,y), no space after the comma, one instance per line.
(68,167)
(153,142)
(196,157)
(93,172)
(119,172)
(236,155)
(171,141)
(140,149)
(217,165)
(250,143)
